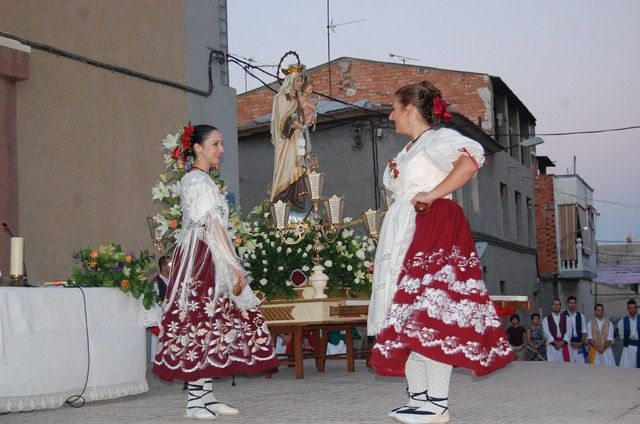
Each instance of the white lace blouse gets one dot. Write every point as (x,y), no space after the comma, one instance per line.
(205,217)
(420,168)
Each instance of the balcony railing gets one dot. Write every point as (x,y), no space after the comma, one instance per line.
(584,266)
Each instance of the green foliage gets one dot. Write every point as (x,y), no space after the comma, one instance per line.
(109,266)
(270,260)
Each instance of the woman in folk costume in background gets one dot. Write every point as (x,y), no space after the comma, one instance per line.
(430,309)
(211,326)
(287,130)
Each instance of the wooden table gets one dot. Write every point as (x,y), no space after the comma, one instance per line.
(320,331)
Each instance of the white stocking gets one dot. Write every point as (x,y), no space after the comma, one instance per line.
(438,377)
(435,408)
(416,373)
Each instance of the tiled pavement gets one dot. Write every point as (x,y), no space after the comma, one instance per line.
(524,392)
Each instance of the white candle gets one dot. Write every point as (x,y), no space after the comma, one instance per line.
(17,256)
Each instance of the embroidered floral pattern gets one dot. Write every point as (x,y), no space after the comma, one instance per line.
(451,345)
(393,168)
(454,258)
(387,346)
(207,333)
(435,298)
(465,314)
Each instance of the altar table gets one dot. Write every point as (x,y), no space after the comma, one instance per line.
(43,346)
(321,332)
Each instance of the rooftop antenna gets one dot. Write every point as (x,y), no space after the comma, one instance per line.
(251,63)
(332,27)
(402,58)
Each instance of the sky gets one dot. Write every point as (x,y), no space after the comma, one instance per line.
(575,64)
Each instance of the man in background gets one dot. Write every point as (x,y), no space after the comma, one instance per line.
(629,331)
(162,280)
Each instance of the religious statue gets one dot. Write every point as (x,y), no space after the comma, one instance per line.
(292,114)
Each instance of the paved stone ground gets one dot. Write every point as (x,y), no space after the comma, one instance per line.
(524,392)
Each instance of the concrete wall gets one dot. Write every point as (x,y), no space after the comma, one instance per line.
(206,27)
(90,139)
(14,67)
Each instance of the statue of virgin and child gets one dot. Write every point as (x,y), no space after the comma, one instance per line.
(292,116)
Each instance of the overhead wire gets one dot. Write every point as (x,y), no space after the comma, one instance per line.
(624,205)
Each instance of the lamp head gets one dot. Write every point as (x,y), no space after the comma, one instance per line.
(533,141)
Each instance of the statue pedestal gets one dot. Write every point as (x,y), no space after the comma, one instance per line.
(308,309)
(318,281)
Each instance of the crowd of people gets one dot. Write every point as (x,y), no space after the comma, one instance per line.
(566,336)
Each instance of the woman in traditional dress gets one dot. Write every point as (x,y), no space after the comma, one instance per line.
(210,327)
(430,309)
(287,131)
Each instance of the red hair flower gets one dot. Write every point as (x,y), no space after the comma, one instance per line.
(186,136)
(440,109)
(176,153)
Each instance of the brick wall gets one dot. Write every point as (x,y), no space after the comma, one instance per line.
(357,79)
(545,225)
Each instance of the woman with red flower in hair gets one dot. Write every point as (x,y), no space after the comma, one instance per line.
(211,327)
(430,309)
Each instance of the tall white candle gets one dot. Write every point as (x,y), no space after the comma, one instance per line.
(17,256)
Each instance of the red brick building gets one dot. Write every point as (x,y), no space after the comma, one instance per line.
(468,93)
(545,225)
(566,224)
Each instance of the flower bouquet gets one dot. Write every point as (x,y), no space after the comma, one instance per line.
(109,266)
(271,260)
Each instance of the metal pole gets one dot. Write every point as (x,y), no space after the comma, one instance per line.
(328,48)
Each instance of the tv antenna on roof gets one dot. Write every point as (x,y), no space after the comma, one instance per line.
(332,27)
(251,63)
(402,58)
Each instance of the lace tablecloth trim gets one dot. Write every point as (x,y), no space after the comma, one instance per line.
(56,400)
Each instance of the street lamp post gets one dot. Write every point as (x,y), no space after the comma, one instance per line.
(529,142)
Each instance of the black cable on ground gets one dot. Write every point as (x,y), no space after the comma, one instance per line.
(78,401)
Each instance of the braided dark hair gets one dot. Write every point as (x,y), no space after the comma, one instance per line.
(421,95)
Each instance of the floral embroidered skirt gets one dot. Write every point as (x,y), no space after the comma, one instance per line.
(441,308)
(205,339)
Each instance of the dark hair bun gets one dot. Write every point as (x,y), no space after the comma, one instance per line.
(421,95)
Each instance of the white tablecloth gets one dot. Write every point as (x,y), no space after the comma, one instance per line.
(43,346)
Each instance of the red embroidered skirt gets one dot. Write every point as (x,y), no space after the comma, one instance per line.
(205,339)
(441,308)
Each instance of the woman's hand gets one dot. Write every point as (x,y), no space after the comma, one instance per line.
(241,281)
(423,197)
